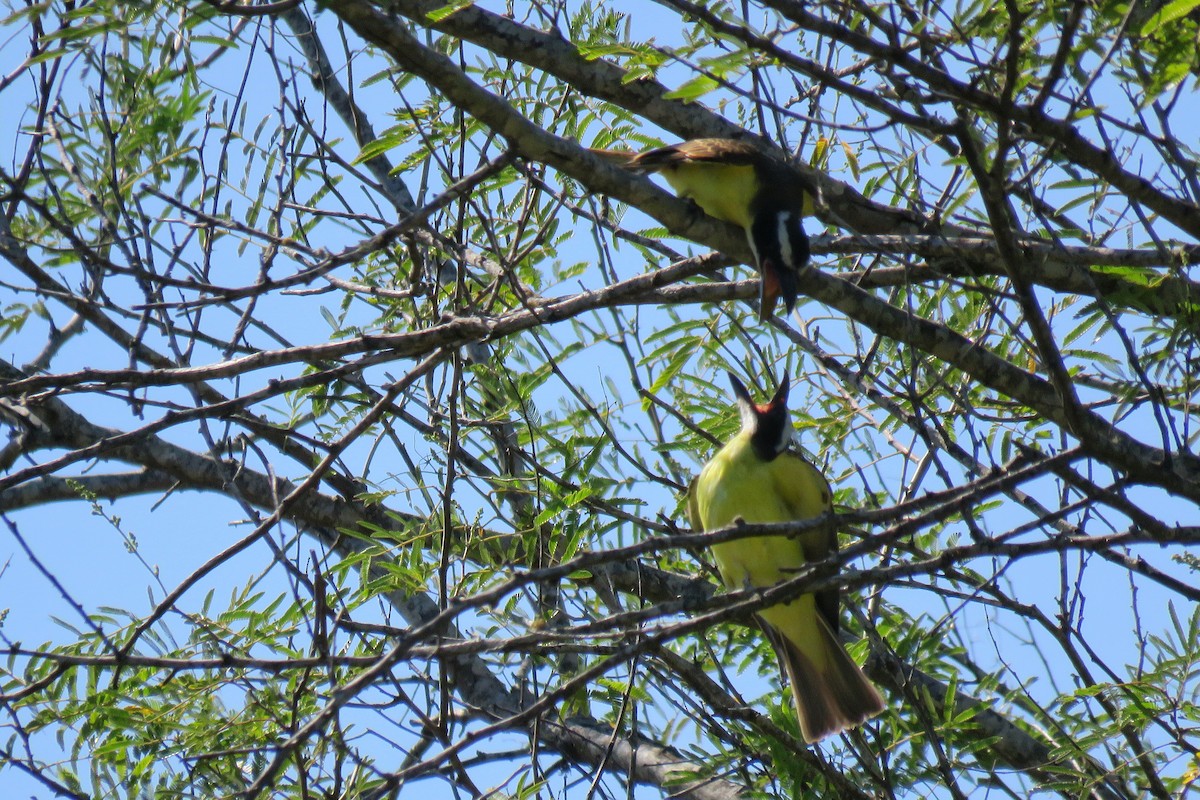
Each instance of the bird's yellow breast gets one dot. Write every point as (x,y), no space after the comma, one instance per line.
(724,191)
(736,484)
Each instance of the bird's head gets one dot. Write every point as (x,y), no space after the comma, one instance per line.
(769,425)
(781,246)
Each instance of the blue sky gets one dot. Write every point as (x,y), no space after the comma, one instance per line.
(88,556)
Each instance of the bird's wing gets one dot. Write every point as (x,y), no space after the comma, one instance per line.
(807,495)
(693,506)
(720,151)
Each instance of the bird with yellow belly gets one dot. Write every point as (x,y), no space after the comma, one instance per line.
(757,478)
(741,183)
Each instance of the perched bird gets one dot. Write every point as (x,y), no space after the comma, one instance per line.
(739,182)
(756,478)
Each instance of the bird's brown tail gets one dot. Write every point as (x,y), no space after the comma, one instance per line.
(622,158)
(828,700)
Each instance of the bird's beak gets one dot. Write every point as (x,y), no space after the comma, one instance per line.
(774,284)
(769,290)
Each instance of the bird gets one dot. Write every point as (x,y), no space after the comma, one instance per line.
(757,477)
(740,182)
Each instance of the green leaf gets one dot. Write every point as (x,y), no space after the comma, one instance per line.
(694,89)
(1168,13)
(439,14)
(388,140)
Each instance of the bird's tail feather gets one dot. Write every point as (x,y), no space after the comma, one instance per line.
(621,158)
(831,699)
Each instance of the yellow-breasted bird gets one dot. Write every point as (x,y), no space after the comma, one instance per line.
(739,182)
(757,478)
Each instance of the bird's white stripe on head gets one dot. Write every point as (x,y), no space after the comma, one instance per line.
(785,240)
(748,414)
(786,437)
